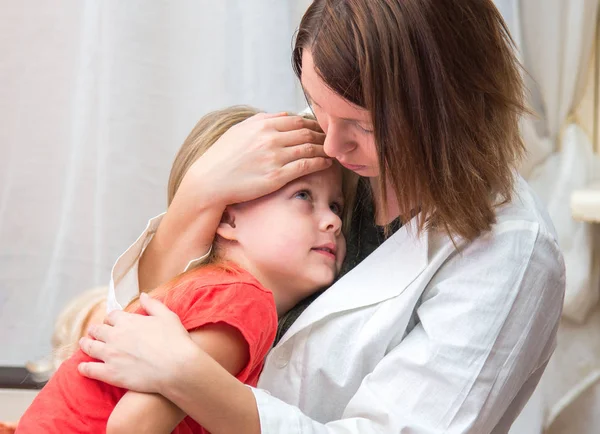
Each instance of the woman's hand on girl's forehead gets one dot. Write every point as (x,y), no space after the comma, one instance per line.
(255,158)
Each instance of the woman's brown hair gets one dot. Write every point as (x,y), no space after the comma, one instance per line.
(443,85)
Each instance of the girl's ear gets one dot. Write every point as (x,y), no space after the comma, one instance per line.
(226,227)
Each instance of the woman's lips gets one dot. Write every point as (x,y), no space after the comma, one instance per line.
(353,167)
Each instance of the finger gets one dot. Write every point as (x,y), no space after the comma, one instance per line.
(302,167)
(100,332)
(299,152)
(153,307)
(94,370)
(93,348)
(115,316)
(290,123)
(301,136)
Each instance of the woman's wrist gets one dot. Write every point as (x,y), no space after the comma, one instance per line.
(179,369)
(201,189)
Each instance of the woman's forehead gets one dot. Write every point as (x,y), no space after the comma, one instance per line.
(319,94)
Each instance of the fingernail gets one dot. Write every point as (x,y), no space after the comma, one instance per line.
(143,295)
(81,342)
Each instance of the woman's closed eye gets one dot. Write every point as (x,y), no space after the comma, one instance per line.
(366,130)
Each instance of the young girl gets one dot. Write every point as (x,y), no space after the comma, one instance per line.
(268,254)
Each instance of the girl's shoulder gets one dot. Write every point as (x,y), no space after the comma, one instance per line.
(214,277)
(212,285)
(225,294)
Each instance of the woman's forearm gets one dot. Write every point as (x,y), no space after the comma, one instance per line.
(183,235)
(211,396)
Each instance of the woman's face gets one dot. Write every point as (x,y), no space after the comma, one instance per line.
(348,128)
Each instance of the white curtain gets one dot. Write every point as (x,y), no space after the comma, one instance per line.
(556,40)
(557,43)
(96,98)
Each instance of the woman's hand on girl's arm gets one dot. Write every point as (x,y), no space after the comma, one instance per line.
(252,159)
(140,352)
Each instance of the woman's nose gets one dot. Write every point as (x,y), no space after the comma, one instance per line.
(337,142)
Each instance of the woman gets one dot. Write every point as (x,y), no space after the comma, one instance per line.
(446,325)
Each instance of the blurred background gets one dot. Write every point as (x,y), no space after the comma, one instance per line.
(97,96)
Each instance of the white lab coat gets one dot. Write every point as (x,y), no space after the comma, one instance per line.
(420,338)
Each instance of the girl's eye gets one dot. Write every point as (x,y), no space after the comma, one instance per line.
(302,195)
(336,208)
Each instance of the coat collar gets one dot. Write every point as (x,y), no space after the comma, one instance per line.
(384,274)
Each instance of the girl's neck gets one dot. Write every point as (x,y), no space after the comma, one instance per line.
(283,301)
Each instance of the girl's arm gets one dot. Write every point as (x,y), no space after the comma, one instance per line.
(153,413)
(144,413)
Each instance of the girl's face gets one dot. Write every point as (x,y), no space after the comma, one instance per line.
(348,128)
(292,239)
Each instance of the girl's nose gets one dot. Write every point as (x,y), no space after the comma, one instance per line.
(331,222)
